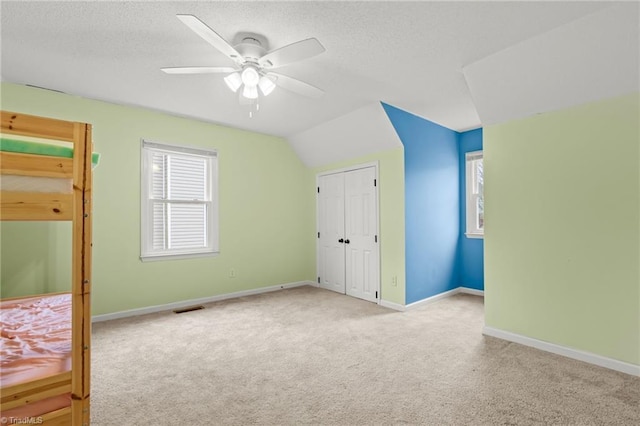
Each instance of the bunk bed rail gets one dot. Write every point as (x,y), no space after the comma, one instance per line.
(30,125)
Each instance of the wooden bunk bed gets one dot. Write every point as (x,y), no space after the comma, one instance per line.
(73,205)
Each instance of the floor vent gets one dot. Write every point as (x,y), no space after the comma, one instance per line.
(188,309)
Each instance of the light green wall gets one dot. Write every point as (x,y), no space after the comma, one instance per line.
(29,268)
(266,211)
(391,193)
(562,230)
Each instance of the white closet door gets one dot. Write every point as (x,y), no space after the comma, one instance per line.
(361,224)
(331,258)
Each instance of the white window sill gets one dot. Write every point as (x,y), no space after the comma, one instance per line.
(472,235)
(157,257)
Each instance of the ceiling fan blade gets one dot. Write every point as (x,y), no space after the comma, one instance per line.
(197,70)
(297,86)
(292,53)
(211,37)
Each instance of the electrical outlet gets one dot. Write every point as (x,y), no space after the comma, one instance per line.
(394,281)
(232,273)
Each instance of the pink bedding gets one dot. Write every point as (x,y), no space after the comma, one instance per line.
(36,343)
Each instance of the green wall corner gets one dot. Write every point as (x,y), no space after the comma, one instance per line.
(562,230)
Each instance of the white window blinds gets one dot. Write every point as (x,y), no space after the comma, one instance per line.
(179,207)
(475,194)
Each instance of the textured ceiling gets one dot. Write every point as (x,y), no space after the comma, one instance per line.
(408,54)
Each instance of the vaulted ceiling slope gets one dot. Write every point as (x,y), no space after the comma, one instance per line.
(592,58)
(408,54)
(366,130)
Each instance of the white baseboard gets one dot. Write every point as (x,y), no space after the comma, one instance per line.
(392,305)
(432,299)
(200,301)
(473,291)
(403,308)
(588,357)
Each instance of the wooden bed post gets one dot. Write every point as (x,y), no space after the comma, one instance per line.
(81,276)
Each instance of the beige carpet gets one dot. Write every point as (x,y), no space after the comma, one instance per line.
(310,356)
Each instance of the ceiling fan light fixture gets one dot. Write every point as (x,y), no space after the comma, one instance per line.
(266,85)
(234,81)
(250,92)
(250,76)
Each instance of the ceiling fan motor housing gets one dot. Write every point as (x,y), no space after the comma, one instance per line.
(251,49)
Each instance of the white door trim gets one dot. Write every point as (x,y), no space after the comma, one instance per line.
(376,166)
(349,169)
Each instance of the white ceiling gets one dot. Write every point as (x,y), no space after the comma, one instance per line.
(364,131)
(407,54)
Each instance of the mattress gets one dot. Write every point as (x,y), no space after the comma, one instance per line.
(40,147)
(36,343)
(35,184)
(36,337)
(36,146)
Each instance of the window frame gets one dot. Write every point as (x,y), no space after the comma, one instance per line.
(147,253)
(472,230)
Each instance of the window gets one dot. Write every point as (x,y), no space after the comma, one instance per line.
(179,202)
(475,196)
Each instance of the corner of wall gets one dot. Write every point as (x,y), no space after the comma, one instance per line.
(431,204)
(470,250)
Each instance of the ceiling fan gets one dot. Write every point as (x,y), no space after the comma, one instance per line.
(253,63)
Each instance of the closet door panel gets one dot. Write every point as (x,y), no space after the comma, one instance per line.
(331,227)
(362,263)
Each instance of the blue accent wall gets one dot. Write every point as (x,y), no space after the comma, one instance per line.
(432,204)
(471,250)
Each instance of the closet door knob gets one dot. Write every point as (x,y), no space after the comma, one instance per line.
(341,240)
(347,241)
